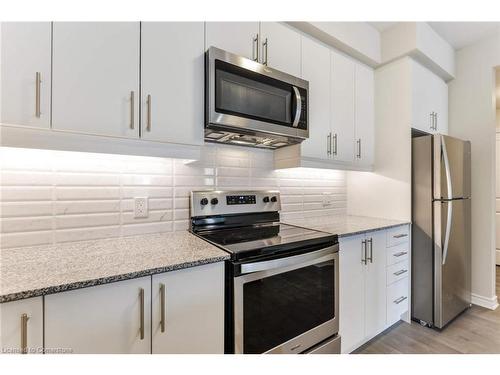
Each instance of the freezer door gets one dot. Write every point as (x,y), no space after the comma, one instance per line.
(451,167)
(452,258)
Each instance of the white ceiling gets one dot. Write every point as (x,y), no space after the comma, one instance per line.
(458,34)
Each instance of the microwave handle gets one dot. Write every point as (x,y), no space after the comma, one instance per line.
(298,108)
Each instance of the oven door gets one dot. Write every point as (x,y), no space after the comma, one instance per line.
(287,305)
(244,94)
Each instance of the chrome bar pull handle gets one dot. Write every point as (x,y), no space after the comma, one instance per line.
(38,82)
(370,241)
(132,109)
(400,254)
(264,52)
(162,307)
(255,48)
(336,145)
(148,123)
(399,300)
(363,252)
(329,144)
(435,121)
(431,121)
(141,323)
(400,235)
(24,333)
(400,272)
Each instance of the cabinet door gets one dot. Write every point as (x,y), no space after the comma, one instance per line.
(104,319)
(172,83)
(316,70)
(375,283)
(365,127)
(342,98)
(352,296)
(193,310)
(96,78)
(429,95)
(240,38)
(442,106)
(13,325)
(280,47)
(26,75)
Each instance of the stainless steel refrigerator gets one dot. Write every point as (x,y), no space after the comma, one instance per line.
(441,230)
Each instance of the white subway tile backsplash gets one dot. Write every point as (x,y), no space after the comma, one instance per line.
(49,196)
(87,220)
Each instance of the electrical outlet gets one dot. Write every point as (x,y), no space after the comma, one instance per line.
(141,207)
(327,199)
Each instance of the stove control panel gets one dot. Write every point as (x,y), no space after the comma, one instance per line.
(206,203)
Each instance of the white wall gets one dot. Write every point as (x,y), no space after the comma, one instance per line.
(59,196)
(472,116)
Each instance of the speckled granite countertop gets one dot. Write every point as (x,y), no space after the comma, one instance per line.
(345,225)
(34,271)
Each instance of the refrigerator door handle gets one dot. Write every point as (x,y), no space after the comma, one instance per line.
(450,196)
(447,232)
(447,168)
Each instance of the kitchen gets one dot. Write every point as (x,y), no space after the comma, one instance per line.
(194,204)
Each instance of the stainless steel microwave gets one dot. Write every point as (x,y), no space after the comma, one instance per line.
(250,104)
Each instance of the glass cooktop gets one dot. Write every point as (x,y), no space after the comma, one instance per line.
(266,239)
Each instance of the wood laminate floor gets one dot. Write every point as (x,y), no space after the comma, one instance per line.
(475,331)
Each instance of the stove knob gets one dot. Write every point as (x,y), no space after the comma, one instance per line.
(204,201)
(266,199)
(214,201)
(274,199)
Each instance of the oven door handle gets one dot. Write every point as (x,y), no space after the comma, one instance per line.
(318,256)
(298,107)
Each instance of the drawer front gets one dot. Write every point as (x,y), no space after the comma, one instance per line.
(398,253)
(398,235)
(397,272)
(397,300)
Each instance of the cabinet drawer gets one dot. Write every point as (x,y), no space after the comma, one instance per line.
(397,272)
(397,253)
(398,235)
(397,300)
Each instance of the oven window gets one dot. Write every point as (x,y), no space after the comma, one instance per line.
(244,93)
(283,306)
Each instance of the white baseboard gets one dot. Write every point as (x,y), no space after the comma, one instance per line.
(487,302)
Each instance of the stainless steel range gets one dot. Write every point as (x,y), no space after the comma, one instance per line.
(282,292)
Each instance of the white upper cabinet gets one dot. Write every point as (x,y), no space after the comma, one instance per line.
(280,47)
(364,116)
(172,82)
(240,38)
(316,70)
(26,73)
(106,319)
(342,99)
(429,101)
(188,311)
(21,326)
(96,78)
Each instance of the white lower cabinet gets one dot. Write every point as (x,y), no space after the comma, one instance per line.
(174,312)
(21,326)
(188,311)
(112,318)
(373,293)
